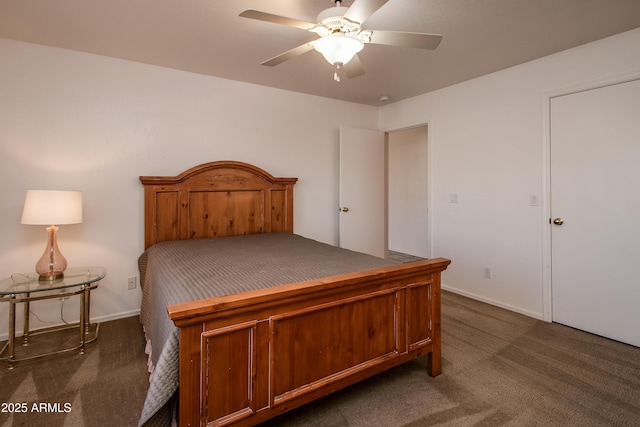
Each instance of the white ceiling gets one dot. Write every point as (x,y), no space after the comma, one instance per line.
(208,37)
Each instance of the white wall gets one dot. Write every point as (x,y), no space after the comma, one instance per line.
(487,142)
(70,120)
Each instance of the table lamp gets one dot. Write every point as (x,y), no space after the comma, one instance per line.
(44,207)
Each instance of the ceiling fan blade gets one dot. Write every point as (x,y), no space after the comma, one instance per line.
(360,10)
(397,38)
(290,54)
(353,68)
(276,19)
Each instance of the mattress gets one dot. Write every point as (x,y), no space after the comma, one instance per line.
(189,270)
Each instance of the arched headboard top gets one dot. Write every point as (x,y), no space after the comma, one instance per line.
(211,168)
(223,198)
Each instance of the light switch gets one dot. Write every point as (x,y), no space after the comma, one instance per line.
(533,199)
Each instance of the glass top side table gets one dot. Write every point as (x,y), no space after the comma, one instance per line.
(24,288)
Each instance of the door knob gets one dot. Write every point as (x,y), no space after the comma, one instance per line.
(558,221)
(345,209)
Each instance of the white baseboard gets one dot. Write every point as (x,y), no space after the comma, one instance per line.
(100,319)
(533,314)
(116,316)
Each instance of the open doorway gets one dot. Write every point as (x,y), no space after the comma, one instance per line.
(407,194)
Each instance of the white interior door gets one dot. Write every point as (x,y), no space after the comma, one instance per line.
(362,191)
(595,195)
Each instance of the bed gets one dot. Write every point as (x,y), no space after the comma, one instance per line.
(247,320)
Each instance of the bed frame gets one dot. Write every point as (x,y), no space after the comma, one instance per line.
(248,357)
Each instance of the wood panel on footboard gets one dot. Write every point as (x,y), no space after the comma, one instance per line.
(248,357)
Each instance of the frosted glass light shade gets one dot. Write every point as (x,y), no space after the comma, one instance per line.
(44,207)
(338,48)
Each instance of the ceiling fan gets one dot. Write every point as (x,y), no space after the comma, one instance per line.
(342,36)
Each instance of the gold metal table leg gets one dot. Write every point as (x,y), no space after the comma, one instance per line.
(25,334)
(12,332)
(83,301)
(87,306)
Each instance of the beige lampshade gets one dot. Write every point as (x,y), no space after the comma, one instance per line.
(46,207)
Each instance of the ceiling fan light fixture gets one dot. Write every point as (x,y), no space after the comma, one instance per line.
(338,48)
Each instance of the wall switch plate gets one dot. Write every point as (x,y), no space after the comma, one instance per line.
(533,199)
(131,282)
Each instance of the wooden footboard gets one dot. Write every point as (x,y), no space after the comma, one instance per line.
(248,357)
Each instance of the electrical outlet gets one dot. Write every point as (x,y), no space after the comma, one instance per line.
(487,273)
(131,282)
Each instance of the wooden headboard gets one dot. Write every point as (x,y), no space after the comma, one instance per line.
(216,199)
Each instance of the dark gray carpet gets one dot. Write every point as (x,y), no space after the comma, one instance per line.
(104,387)
(499,369)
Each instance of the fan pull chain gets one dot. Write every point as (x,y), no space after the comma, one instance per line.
(336,75)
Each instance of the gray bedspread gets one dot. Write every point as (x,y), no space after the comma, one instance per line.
(189,270)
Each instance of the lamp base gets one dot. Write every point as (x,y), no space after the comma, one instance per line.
(52,264)
(50,276)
